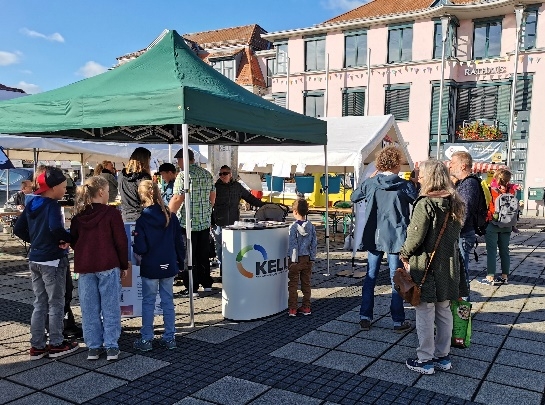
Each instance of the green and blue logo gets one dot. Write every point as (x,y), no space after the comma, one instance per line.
(262,268)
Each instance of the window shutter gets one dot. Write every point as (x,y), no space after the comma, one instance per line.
(354,103)
(435,112)
(279,100)
(397,103)
(523,97)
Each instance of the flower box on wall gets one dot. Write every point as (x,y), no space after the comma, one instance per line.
(478,131)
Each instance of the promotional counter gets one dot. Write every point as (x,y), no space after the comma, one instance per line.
(255,271)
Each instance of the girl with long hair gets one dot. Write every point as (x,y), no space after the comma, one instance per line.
(438,214)
(137,169)
(106,169)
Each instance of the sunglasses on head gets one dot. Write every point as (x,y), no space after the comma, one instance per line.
(224,173)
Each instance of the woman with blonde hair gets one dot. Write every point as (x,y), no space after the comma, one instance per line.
(106,169)
(436,222)
(137,169)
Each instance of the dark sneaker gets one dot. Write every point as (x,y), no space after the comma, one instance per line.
(36,354)
(167,344)
(442,363)
(404,327)
(143,345)
(304,310)
(207,289)
(500,281)
(112,353)
(423,367)
(94,354)
(73,332)
(63,349)
(292,312)
(185,294)
(365,324)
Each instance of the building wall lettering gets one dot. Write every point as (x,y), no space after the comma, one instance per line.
(485,71)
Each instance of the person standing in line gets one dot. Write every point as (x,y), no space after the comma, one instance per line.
(437,217)
(469,189)
(158,240)
(137,169)
(226,209)
(106,169)
(168,174)
(496,237)
(18,200)
(302,246)
(203,196)
(388,199)
(42,226)
(98,228)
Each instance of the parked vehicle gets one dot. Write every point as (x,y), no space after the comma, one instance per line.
(16,176)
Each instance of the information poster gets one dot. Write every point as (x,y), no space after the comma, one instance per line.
(131,284)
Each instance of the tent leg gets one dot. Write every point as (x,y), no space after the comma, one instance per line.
(187,204)
(326,186)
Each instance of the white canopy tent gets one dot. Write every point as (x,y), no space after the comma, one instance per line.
(352,144)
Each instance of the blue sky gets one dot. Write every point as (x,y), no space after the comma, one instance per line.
(46,44)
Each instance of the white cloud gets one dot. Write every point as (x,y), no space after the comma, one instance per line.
(342,5)
(55,37)
(9,58)
(26,71)
(29,87)
(90,69)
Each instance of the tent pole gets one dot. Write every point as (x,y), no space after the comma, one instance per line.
(326,186)
(170,153)
(187,205)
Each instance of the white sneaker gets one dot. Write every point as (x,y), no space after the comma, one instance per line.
(207,289)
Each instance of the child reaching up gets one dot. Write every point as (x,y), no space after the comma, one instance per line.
(158,239)
(301,253)
(100,252)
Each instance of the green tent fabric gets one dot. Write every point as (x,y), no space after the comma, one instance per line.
(147,99)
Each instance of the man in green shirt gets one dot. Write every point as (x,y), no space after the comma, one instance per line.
(203,196)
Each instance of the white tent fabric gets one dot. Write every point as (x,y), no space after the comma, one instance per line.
(352,143)
(19,147)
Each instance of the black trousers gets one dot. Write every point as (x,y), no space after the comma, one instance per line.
(200,247)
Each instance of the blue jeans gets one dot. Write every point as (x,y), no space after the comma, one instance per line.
(99,295)
(368,290)
(216,231)
(49,286)
(497,239)
(467,244)
(149,294)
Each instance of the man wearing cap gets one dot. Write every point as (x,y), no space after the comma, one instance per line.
(203,196)
(168,174)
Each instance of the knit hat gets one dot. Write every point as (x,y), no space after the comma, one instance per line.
(48,179)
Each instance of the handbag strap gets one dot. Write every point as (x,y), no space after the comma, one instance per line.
(435,247)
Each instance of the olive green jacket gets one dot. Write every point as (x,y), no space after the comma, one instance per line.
(445,280)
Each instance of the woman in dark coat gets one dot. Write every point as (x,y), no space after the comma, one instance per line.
(137,169)
(444,282)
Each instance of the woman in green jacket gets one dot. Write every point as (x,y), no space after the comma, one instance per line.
(444,281)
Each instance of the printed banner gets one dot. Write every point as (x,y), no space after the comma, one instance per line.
(494,152)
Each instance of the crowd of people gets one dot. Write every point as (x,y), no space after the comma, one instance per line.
(426,225)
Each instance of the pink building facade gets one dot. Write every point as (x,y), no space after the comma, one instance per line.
(392,64)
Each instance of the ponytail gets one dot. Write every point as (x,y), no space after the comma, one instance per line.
(88,191)
(150,194)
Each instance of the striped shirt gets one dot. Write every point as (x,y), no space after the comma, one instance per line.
(201,185)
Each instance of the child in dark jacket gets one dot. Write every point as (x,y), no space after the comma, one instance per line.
(301,253)
(100,252)
(158,239)
(41,225)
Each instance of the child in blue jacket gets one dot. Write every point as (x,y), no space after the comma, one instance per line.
(158,240)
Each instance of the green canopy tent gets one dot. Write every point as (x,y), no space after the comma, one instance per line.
(168,94)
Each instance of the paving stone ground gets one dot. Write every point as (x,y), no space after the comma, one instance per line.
(319,359)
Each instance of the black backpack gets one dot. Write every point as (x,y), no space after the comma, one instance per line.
(479,217)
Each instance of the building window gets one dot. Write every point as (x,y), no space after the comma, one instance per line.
(279,99)
(314,104)
(400,43)
(397,101)
(226,67)
(529,27)
(450,46)
(355,49)
(271,64)
(314,54)
(281,57)
(487,39)
(353,102)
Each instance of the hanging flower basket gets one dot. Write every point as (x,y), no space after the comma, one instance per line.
(477,131)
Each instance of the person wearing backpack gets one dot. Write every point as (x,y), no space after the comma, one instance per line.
(502,217)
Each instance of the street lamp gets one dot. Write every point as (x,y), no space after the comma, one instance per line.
(445,23)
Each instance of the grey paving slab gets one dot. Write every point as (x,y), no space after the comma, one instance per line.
(389,371)
(85,387)
(132,367)
(517,377)
(8,332)
(449,384)
(518,359)
(192,401)
(498,394)
(322,339)
(213,334)
(299,352)
(242,326)
(80,359)
(10,391)
(468,367)
(380,334)
(343,328)
(18,362)
(487,339)
(47,375)
(343,361)
(363,346)
(477,351)
(277,396)
(41,399)
(524,345)
(350,316)
(231,391)
(399,354)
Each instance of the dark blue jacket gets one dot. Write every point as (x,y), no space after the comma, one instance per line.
(162,249)
(42,226)
(388,200)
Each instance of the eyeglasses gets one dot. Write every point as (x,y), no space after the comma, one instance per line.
(224,173)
